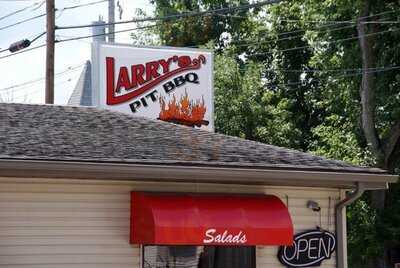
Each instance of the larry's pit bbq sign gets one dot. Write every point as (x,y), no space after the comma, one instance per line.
(170,84)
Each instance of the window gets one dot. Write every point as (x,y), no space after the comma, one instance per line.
(198,257)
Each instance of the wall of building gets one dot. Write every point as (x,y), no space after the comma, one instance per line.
(85,224)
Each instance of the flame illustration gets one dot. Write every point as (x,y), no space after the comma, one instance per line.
(184,111)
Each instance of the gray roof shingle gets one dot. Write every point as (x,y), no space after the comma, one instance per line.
(88,134)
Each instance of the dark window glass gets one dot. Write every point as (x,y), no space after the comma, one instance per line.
(198,257)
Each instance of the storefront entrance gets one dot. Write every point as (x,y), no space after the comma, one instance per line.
(199,257)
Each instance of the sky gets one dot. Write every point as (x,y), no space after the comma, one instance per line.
(30,66)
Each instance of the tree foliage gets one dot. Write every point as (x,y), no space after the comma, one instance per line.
(245,109)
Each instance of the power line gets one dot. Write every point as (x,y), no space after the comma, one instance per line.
(177,16)
(94,35)
(39,6)
(379,70)
(383,22)
(78,38)
(35,91)
(330,22)
(151,26)
(44,14)
(326,42)
(239,44)
(84,5)
(203,13)
(285,70)
(243,44)
(27,83)
(324,22)
(329,25)
(317,29)
(289,37)
(22,21)
(37,37)
(18,11)
(330,70)
(23,51)
(27,87)
(24,84)
(29,42)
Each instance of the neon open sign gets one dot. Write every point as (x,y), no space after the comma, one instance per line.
(309,249)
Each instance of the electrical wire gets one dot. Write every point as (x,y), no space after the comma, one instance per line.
(317,29)
(383,22)
(326,22)
(325,42)
(24,84)
(244,44)
(84,5)
(17,0)
(22,51)
(22,21)
(202,13)
(44,14)
(39,6)
(151,26)
(37,37)
(95,35)
(240,44)
(19,11)
(58,36)
(295,36)
(384,69)
(35,91)
(77,38)
(31,41)
(329,25)
(327,70)
(330,22)
(176,16)
(71,38)
(308,46)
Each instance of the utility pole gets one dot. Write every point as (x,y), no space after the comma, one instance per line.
(111,19)
(50,40)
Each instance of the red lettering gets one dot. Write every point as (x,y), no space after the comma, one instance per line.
(110,78)
(152,70)
(144,77)
(137,75)
(165,64)
(123,79)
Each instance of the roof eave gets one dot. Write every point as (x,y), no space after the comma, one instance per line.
(177,173)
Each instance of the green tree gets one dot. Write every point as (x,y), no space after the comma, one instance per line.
(198,30)
(244,107)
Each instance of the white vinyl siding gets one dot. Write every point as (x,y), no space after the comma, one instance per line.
(85,224)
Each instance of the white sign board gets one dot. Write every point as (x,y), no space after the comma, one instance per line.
(165,83)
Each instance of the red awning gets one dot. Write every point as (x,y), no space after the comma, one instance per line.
(194,219)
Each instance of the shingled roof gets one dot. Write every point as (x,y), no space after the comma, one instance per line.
(46,132)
